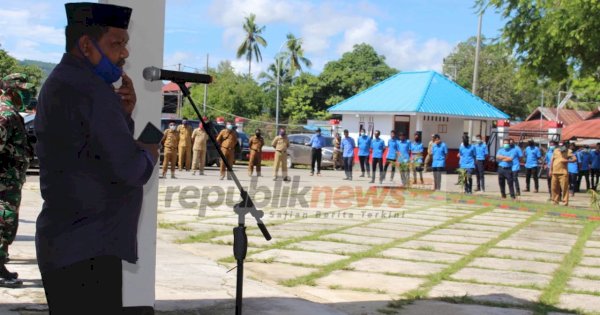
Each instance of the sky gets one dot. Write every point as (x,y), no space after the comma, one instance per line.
(411,34)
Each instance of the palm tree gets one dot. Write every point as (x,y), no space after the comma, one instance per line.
(295,54)
(270,76)
(249,46)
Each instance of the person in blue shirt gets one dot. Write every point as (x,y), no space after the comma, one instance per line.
(547,161)
(505,157)
(481,153)
(573,169)
(516,166)
(584,158)
(595,166)
(416,157)
(439,151)
(403,158)
(467,155)
(317,142)
(532,157)
(378,147)
(392,155)
(347,147)
(364,148)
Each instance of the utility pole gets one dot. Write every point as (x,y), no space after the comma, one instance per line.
(179,96)
(205,89)
(477,49)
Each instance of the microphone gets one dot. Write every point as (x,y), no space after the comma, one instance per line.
(154,73)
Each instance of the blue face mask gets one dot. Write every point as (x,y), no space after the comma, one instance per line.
(506,146)
(105,69)
(551,148)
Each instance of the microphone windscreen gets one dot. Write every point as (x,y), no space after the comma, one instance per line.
(151,73)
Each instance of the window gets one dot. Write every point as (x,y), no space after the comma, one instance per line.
(442,128)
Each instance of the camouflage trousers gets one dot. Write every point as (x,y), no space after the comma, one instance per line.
(10,200)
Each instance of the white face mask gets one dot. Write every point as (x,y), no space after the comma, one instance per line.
(172,127)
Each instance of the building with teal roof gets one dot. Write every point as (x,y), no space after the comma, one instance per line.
(423,101)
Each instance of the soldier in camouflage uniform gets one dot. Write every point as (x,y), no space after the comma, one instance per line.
(15,154)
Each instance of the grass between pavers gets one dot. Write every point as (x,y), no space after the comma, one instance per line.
(550,295)
(372,252)
(179,226)
(437,278)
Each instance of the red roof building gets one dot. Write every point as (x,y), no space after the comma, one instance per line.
(567,116)
(589,129)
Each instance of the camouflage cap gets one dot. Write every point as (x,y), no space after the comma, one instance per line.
(17,80)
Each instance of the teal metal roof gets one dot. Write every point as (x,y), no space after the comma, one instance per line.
(418,92)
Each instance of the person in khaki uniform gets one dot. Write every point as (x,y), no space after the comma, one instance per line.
(170,142)
(199,139)
(281,144)
(429,151)
(337,152)
(227,139)
(560,176)
(256,143)
(185,145)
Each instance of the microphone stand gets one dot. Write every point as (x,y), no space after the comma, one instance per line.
(240,239)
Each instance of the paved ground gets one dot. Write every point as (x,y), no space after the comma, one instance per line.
(344,247)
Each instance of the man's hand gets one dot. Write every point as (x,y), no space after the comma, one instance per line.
(151,148)
(127,93)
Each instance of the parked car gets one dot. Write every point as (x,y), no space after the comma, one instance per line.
(29,128)
(299,152)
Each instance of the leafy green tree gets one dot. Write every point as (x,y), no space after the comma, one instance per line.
(230,95)
(250,45)
(354,72)
(295,55)
(269,77)
(305,100)
(552,37)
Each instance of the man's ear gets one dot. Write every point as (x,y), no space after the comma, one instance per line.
(86,46)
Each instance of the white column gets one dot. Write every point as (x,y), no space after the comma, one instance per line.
(146,32)
(419,124)
(471,129)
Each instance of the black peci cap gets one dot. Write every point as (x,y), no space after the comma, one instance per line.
(88,14)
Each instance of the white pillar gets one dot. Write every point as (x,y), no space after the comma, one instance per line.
(503,127)
(419,123)
(146,32)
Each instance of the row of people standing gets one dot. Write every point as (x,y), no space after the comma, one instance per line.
(401,153)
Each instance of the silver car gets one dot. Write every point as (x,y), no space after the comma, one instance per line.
(299,152)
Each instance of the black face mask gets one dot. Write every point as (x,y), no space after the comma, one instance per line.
(257,134)
(465,143)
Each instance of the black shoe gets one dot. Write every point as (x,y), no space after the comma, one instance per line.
(372,181)
(362,175)
(5,274)
(10,283)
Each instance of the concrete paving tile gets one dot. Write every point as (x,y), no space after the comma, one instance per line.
(440,246)
(357,239)
(370,281)
(525,254)
(297,257)
(397,266)
(486,293)
(559,238)
(437,307)
(514,265)
(495,218)
(589,303)
(455,239)
(379,232)
(590,261)
(489,222)
(594,244)
(276,272)
(523,244)
(212,251)
(586,271)
(421,222)
(479,227)
(174,235)
(580,284)
(422,255)
(397,227)
(462,232)
(329,247)
(591,251)
(539,226)
(306,227)
(429,217)
(501,277)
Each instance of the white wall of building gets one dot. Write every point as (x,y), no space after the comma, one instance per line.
(146,31)
(450,129)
